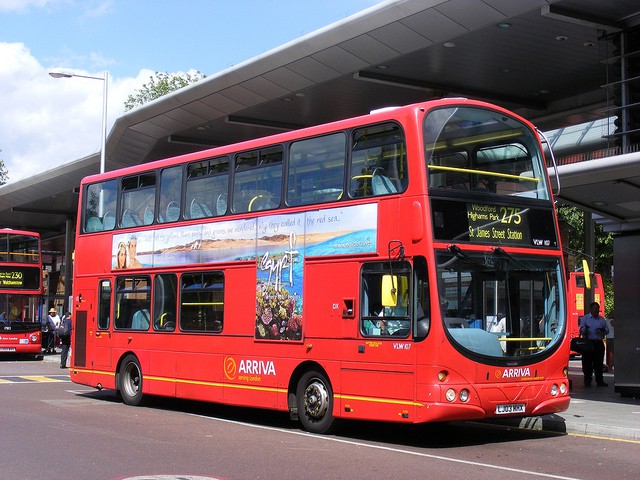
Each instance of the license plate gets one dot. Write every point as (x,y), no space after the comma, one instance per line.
(7,349)
(510,408)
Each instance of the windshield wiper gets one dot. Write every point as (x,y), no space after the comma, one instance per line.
(500,252)
(461,255)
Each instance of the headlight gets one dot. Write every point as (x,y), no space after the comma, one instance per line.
(33,338)
(464,395)
(563,388)
(450,395)
(554,390)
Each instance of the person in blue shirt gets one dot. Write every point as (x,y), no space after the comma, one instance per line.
(593,327)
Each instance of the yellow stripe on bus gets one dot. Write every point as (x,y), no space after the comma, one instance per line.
(389,401)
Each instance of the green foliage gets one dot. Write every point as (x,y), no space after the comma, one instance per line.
(160,84)
(573,218)
(4,173)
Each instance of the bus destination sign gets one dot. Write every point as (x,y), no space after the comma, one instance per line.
(11,279)
(495,224)
(19,278)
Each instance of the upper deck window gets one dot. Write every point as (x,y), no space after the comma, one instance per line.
(99,206)
(316,169)
(480,150)
(257,180)
(138,200)
(378,161)
(19,248)
(207,188)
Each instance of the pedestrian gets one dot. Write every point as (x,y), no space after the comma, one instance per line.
(610,342)
(51,324)
(593,327)
(64,333)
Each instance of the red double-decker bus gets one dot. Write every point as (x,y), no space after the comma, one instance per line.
(20,292)
(402,266)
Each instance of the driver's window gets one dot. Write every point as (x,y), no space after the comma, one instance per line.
(386,299)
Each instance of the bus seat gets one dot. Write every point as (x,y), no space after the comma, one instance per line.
(130,218)
(148,215)
(260,202)
(109,221)
(173,211)
(94,224)
(221,204)
(141,320)
(381,184)
(199,209)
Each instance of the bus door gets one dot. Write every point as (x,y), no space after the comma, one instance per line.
(92,346)
(380,371)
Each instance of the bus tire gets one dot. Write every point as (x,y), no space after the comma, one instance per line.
(130,381)
(314,397)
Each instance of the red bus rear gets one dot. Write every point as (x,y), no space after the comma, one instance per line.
(20,292)
(402,266)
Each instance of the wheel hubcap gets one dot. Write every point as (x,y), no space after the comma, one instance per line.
(316,399)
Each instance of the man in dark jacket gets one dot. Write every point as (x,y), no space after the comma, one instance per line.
(64,333)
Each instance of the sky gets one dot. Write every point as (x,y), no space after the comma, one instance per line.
(46,122)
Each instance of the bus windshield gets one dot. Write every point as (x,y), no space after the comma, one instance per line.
(475,149)
(498,304)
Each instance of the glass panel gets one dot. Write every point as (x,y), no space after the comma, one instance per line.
(501,305)
(133,303)
(207,187)
(483,151)
(202,302)
(138,200)
(104,304)
(170,194)
(19,248)
(99,206)
(257,180)
(165,294)
(19,308)
(378,161)
(379,317)
(316,170)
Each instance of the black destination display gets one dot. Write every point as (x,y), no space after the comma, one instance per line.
(495,224)
(19,278)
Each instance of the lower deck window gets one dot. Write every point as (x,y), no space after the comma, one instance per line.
(133,303)
(202,302)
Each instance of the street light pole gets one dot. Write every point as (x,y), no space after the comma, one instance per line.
(105,80)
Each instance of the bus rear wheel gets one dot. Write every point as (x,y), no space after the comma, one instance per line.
(314,397)
(130,381)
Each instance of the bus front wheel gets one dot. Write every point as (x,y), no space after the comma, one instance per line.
(130,381)
(314,397)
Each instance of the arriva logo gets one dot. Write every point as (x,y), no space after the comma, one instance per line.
(522,372)
(230,368)
(248,367)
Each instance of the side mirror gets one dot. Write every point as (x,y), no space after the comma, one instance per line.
(389,292)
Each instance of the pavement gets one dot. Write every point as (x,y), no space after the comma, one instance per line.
(593,411)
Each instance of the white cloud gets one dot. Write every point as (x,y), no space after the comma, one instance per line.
(24,5)
(46,122)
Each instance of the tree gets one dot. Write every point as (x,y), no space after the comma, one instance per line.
(573,217)
(160,84)
(4,173)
